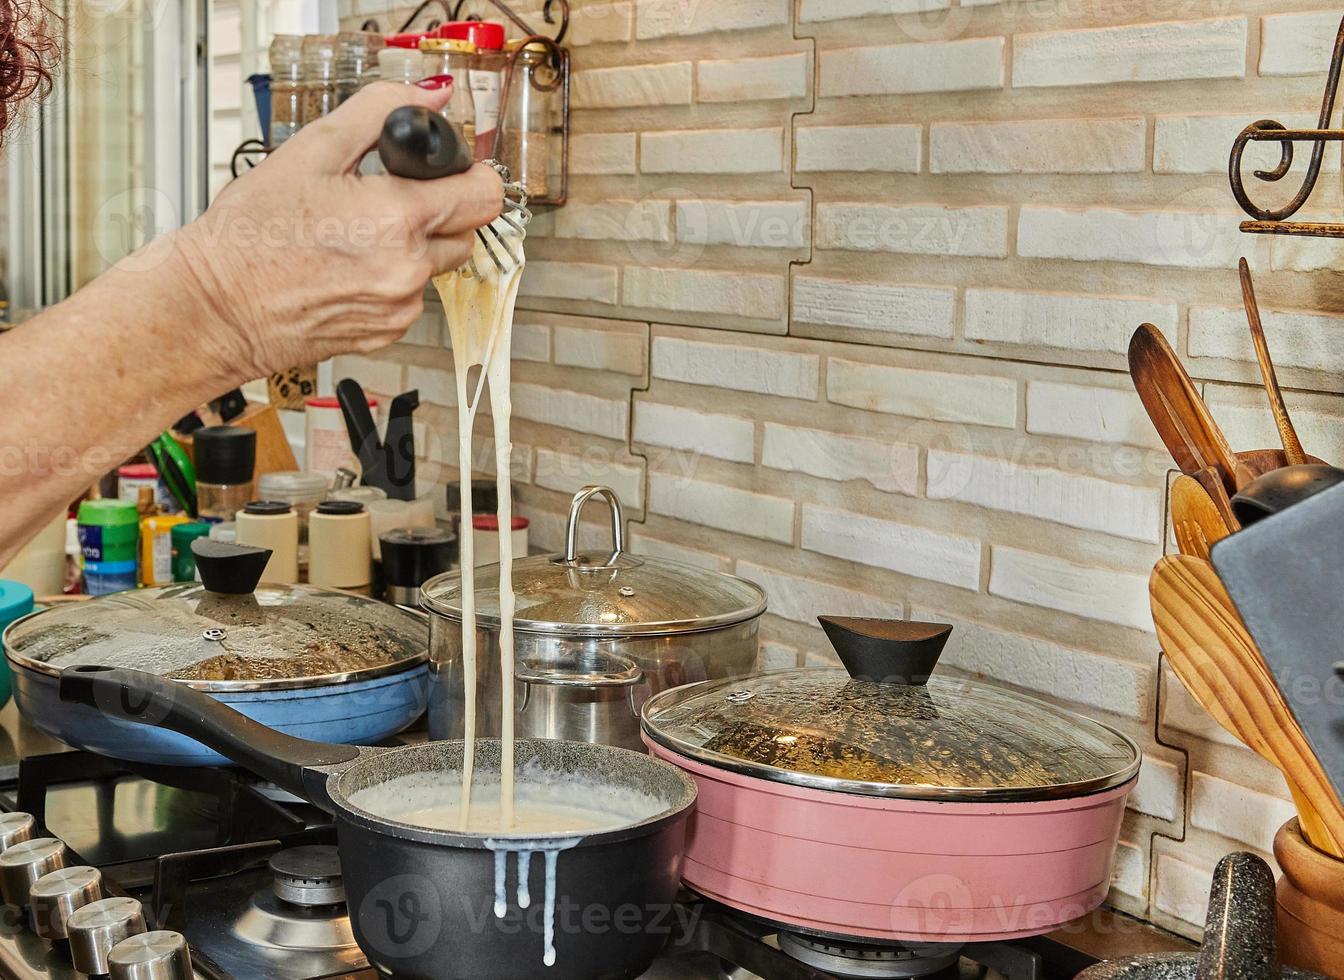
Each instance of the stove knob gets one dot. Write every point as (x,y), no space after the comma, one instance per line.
(55,896)
(151,956)
(99,926)
(15,828)
(24,863)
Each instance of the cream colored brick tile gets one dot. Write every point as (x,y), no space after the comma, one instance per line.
(816,11)
(616,220)
(922,311)
(1080,323)
(1104,594)
(1241,414)
(1188,239)
(1244,815)
(712,151)
(1076,146)
(802,599)
(1158,791)
(1072,499)
(752,79)
(437,387)
(600,23)
(916,229)
(691,291)
(380,377)
(1296,338)
(1130,876)
(1297,44)
(660,18)
(1203,145)
(935,395)
(1183,713)
(569,473)
(889,466)
(569,280)
(904,548)
(644,544)
(571,410)
(428,330)
(778,656)
(1093,414)
(1214,48)
(893,148)
(744,224)
(902,69)
(531,341)
(602,153)
(1297,254)
(674,427)
(740,368)
(1080,676)
(599,349)
(756,515)
(1181,889)
(633,85)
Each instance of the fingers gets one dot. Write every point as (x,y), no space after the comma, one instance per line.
(453,204)
(448,252)
(336,143)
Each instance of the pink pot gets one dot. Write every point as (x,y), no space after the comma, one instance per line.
(893,869)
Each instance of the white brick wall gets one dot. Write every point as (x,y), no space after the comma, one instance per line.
(905,548)
(599,349)
(1193,239)
(661,18)
(903,69)
(569,280)
(1083,590)
(638,85)
(571,410)
(1137,53)
(1229,810)
(920,394)
(892,467)
(712,151)
(740,368)
(745,79)
(745,224)
(568,473)
(1077,146)
(727,508)
(602,153)
(1105,415)
(804,599)
(1296,338)
(727,293)
(619,221)
(915,229)
(918,310)
(894,148)
(1203,144)
(673,427)
(1297,44)
(1069,322)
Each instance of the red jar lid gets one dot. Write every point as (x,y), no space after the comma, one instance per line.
(490,522)
(404,40)
(331,401)
(138,471)
(485,34)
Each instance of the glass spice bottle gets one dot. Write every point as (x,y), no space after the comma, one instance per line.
(356,59)
(447,56)
(396,63)
(526,128)
(286,86)
(319,76)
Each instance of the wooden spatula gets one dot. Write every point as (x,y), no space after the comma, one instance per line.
(1216,660)
(1182,419)
(1292,446)
(1196,516)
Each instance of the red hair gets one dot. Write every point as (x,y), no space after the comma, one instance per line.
(27,52)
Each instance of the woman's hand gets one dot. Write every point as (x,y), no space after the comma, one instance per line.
(301,258)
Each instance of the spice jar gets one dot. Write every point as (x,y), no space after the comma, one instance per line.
(319,76)
(274,525)
(526,128)
(286,87)
(487,75)
(225,457)
(448,56)
(340,555)
(356,60)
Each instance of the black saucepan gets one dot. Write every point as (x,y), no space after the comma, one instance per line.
(432,904)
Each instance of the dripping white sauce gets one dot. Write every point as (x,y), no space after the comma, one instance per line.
(550,850)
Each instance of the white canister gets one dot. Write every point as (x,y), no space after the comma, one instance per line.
(272,524)
(339,553)
(326,442)
(485,537)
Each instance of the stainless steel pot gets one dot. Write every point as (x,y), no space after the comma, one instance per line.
(594,637)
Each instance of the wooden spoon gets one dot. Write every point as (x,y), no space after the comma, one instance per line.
(1292,446)
(1219,664)
(1196,516)
(1182,419)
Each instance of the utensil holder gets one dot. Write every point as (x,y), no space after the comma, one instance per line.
(1310,896)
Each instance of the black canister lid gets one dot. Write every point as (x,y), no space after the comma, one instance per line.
(484,497)
(267,508)
(414,555)
(225,454)
(340,508)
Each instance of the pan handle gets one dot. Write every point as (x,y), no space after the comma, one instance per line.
(293,764)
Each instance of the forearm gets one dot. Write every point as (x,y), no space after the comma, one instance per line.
(90,382)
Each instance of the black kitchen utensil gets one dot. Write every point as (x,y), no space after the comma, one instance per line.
(1286,576)
(426,904)
(363,432)
(390,465)
(399,447)
(888,650)
(1281,488)
(229,406)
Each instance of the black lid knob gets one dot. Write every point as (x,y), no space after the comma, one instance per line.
(229,569)
(340,508)
(414,555)
(422,145)
(891,651)
(225,454)
(267,508)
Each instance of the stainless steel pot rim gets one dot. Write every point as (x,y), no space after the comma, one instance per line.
(899,791)
(542,628)
(234,687)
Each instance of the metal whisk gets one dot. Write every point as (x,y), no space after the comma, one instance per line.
(423,145)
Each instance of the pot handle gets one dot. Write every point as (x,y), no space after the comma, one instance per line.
(606,670)
(617,524)
(294,764)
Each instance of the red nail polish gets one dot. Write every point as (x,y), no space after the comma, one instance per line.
(435,82)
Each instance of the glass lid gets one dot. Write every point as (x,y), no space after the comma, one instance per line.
(902,735)
(271,636)
(608,594)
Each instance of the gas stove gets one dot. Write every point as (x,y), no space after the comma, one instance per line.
(249,876)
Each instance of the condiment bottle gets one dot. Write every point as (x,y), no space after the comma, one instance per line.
(184,559)
(400,64)
(413,556)
(156,547)
(109,531)
(487,76)
(526,127)
(339,552)
(319,76)
(301,490)
(272,524)
(286,87)
(449,56)
(225,458)
(356,59)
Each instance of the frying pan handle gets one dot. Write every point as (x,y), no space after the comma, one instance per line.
(422,145)
(293,764)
